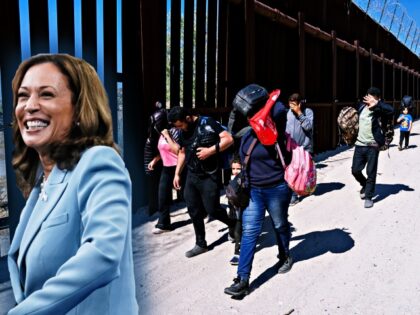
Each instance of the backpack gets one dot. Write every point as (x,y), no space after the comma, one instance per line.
(237,191)
(300,174)
(387,126)
(249,99)
(348,123)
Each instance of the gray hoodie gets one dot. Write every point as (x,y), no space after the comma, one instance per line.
(301,128)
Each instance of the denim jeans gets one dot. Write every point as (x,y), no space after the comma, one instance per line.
(202,197)
(276,200)
(366,156)
(165,196)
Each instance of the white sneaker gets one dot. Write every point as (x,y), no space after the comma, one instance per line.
(159,231)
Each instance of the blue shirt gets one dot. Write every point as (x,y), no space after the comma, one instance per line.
(405,124)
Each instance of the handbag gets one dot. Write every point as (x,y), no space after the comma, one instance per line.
(237,191)
(300,174)
(263,124)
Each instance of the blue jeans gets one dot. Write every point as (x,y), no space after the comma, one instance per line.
(276,200)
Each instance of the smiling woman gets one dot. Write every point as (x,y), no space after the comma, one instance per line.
(78,212)
(44,110)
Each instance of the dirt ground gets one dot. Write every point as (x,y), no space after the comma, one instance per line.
(348,259)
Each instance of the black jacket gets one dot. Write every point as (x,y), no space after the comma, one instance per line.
(382,114)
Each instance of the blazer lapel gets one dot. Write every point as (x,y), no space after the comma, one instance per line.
(14,247)
(54,188)
(23,221)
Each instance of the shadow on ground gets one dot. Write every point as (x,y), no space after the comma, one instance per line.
(324,188)
(384,190)
(312,245)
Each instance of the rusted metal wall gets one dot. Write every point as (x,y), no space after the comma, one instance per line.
(329,52)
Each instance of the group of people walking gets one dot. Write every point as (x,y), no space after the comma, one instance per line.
(202,139)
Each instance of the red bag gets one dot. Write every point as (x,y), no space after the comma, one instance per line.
(263,124)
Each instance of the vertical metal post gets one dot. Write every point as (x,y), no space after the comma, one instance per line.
(334,64)
(249,41)
(393,80)
(401,79)
(334,87)
(383,74)
(371,65)
(356,43)
(408,80)
(302,70)
(175,64)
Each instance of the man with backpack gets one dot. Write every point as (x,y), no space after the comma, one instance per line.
(374,116)
(201,140)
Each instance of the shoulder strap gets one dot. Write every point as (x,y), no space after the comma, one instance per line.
(280,155)
(248,153)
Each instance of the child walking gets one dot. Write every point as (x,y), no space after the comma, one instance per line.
(406,122)
(235,213)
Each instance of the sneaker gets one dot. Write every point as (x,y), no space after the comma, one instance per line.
(238,288)
(160,230)
(235,260)
(286,265)
(196,250)
(294,200)
(368,203)
(362,194)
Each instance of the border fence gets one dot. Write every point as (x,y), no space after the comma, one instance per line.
(330,51)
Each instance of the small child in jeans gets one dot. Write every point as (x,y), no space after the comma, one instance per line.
(235,213)
(406,122)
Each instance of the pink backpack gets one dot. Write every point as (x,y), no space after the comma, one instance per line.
(300,174)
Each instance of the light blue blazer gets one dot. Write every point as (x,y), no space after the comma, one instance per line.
(72,253)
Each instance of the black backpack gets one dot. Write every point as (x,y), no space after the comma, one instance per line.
(250,99)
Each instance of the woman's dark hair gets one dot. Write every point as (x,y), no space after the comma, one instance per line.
(92,121)
(295,97)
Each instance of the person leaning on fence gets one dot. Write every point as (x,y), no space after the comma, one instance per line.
(201,140)
(268,190)
(71,252)
(300,122)
(370,138)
